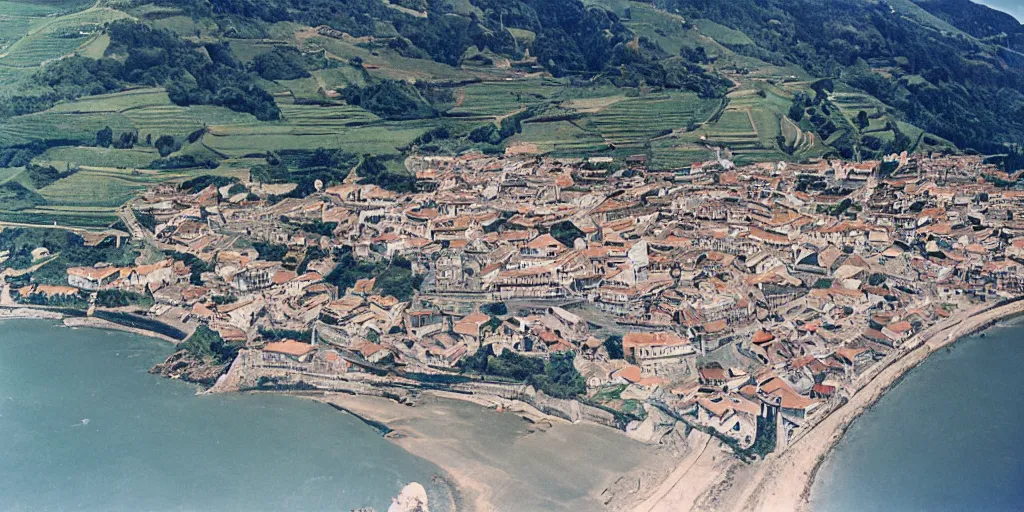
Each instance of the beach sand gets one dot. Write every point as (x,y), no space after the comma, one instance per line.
(501,462)
(7,313)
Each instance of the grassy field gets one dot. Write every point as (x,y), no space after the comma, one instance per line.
(560,138)
(57,37)
(58,126)
(501,98)
(97,187)
(721,33)
(666,29)
(629,123)
(60,157)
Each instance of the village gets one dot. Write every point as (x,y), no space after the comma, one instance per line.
(744,301)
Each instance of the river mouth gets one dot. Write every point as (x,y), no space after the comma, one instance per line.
(83,426)
(947,437)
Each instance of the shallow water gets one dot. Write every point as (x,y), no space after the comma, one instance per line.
(83,426)
(948,437)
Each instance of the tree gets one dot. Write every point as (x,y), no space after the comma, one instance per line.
(796,110)
(560,378)
(104,137)
(166,145)
(566,232)
(613,344)
(494,309)
(127,140)
(281,63)
(862,120)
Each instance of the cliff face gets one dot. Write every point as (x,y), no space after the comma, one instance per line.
(183,365)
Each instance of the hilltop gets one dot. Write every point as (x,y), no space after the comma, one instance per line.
(190,87)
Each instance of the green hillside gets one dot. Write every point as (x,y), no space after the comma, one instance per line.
(199,86)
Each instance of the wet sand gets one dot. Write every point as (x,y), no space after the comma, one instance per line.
(501,462)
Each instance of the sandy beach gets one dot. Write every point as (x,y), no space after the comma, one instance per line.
(7,313)
(502,462)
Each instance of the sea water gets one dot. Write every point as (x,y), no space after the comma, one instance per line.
(83,426)
(948,437)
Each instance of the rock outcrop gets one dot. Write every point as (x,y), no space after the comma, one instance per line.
(183,365)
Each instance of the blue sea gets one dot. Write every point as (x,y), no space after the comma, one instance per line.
(949,437)
(84,427)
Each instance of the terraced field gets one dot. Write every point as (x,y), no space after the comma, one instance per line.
(60,157)
(501,98)
(151,112)
(88,198)
(383,63)
(851,104)
(180,121)
(99,187)
(631,122)
(241,140)
(74,128)
(325,116)
(560,138)
(58,37)
(117,102)
(673,154)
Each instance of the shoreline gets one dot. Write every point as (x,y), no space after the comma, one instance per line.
(492,463)
(26,313)
(784,481)
(99,323)
(9,312)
